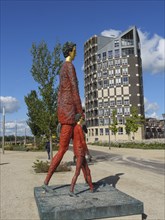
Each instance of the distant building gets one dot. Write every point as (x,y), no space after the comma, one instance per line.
(113,80)
(154,128)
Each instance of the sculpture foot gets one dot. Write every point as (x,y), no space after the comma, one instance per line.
(47,188)
(72,194)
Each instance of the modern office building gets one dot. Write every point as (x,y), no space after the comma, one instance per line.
(113,81)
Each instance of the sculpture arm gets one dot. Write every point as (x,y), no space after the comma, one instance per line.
(75,91)
(83,142)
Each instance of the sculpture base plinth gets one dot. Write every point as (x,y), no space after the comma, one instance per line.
(106,202)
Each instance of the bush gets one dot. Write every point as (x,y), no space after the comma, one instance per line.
(42,167)
(135,145)
(15,147)
(9,147)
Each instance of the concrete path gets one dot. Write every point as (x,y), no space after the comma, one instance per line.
(139,173)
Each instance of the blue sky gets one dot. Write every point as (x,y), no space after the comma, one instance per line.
(25,22)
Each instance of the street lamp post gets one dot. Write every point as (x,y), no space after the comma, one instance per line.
(3,138)
(25,138)
(164,123)
(15,133)
(109,137)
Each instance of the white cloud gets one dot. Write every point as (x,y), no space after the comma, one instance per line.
(11,104)
(152,50)
(151,109)
(111,33)
(83,102)
(82,68)
(19,127)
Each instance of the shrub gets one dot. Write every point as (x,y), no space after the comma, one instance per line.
(136,145)
(15,147)
(42,167)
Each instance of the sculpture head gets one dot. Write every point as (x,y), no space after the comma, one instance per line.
(69,49)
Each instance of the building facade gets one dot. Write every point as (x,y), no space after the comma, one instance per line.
(154,128)
(113,81)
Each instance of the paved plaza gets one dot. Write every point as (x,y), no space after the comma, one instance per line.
(138,173)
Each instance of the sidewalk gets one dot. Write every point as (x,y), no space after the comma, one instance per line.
(18,181)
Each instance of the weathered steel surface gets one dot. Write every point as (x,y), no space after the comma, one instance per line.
(106,202)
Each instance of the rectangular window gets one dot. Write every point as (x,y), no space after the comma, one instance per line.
(127,51)
(126,111)
(120,130)
(110,63)
(106,103)
(101,131)
(112,103)
(127,42)
(106,131)
(98,57)
(125,80)
(105,65)
(100,104)
(99,66)
(106,112)
(99,74)
(117,62)
(106,84)
(101,112)
(126,101)
(110,54)
(117,72)
(101,121)
(120,120)
(96,131)
(124,61)
(111,72)
(106,121)
(105,74)
(118,81)
(111,111)
(119,102)
(100,84)
(111,82)
(125,71)
(116,43)
(119,111)
(117,53)
(104,55)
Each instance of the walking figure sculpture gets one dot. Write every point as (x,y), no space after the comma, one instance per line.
(80,151)
(69,104)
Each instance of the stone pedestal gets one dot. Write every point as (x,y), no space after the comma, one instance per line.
(106,202)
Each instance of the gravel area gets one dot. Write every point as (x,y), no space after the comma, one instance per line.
(143,182)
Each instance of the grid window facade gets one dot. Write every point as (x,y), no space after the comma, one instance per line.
(111,77)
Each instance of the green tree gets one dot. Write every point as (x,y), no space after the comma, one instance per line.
(34,118)
(128,127)
(113,126)
(42,106)
(133,122)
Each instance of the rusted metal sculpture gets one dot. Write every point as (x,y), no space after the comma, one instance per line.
(69,104)
(80,151)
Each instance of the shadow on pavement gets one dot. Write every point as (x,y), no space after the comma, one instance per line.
(109,180)
(4,163)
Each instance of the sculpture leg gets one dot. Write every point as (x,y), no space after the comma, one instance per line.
(84,173)
(88,174)
(77,172)
(65,136)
